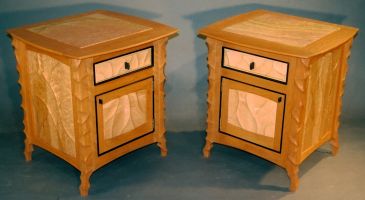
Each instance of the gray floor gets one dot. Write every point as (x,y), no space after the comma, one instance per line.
(185,174)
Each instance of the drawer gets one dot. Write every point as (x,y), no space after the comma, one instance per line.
(115,67)
(256,65)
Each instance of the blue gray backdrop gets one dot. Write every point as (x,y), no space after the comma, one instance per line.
(186,69)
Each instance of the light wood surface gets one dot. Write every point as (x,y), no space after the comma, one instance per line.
(310,79)
(50,88)
(117,66)
(88,30)
(60,95)
(322,44)
(256,117)
(124,114)
(282,29)
(157,31)
(255,64)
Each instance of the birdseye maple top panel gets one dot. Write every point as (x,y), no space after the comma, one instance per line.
(279,33)
(88,30)
(282,29)
(91,34)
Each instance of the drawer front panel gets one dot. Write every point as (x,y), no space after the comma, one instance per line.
(252,114)
(255,65)
(124,64)
(124,114)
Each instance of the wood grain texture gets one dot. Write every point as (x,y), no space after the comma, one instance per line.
(212,122)
(60,101)
(299,92)
(51,96)
(316,53)
(252,112)
(282,29)
(82,90)
(157,31)
(20,54)
(321,99)
(272,45)
(262,66)
(341,86)
(116,67)
(88,30)
(124,114)
(159,94)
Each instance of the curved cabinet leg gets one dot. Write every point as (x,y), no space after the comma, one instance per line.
(334,143)
(207,148)
(28,150)
(85,183)
(162,144)
(293,176)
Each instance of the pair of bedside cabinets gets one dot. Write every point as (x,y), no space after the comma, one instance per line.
(92,86)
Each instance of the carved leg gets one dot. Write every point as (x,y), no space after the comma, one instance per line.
(28,150)
(334,143)
(162,144)
(293,176)
(85,184)
(207,148)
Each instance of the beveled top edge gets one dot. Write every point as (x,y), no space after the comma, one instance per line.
(156,32)
(330,41)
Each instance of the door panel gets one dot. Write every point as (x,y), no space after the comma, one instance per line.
(124,114)
(251,113)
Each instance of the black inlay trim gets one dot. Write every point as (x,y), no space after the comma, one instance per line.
(134,139)
(282,125)
(143,68)
(257,75)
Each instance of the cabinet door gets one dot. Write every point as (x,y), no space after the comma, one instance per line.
(252,113)
(124,114)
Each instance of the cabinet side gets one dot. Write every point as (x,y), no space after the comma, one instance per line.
(321,100)
(20,55)
(50,95)
(340,90)
(214,59)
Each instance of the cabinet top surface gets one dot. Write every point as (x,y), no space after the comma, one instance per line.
(92,33)
(279,33)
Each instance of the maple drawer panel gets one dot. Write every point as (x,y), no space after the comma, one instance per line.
(255,64)
(115,67)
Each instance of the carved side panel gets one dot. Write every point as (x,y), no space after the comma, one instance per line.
(214,73)
(341,86)
(50,85)
(252,112)
(116,67)
(124,114)
(20,54)
(82,85)
(159,94)
(298,94)
(320,106)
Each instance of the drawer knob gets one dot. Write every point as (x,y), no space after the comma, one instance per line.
(252,65)
(100,101)
(279,99)
(127,66)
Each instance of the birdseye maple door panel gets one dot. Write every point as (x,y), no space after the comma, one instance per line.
(124,114)
(251,113)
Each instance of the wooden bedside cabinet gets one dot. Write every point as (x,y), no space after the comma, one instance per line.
(92,87)
(275,85)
